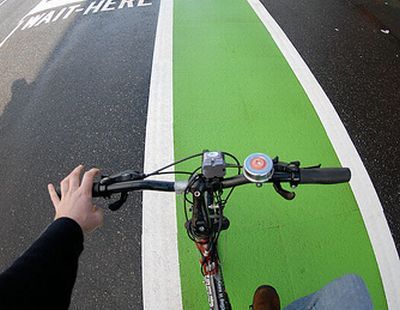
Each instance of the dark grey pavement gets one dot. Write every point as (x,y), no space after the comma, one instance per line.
(78,94)
(384,14)
(357,62)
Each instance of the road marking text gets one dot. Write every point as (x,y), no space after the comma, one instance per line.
(94,7)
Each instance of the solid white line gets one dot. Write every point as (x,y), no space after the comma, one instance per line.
(160,263)
(11,33)
(1,3)
(363,189)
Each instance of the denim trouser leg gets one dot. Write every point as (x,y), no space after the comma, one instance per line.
(348,292)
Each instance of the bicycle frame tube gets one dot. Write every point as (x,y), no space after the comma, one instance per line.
(213,279)
(211,268)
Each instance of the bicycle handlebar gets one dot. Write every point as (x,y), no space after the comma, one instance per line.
(303,176)
(100,190)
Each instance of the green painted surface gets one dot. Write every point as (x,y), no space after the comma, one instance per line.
(234,91)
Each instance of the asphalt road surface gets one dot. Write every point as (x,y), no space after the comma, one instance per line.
(74,89)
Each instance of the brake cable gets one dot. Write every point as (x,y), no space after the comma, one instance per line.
(173,164)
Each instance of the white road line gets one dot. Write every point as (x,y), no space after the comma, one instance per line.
(160,263)
(1,3)
(363,189)
(11,33)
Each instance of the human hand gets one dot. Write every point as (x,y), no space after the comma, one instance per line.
(76,199)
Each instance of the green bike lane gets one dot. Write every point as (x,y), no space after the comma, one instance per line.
(234,91)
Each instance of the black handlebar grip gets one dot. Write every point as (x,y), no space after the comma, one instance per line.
(324,175)
(95,190)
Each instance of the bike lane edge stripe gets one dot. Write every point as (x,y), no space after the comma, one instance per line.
(361,184)
(160,264)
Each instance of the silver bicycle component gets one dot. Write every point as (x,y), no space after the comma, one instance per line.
(180,187)
(258,168)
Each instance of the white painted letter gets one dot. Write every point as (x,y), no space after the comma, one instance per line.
(94,7)
(128,2)
(46,19)
(142,3)
(59,14)
(71,10)
(106,6)
(32,21)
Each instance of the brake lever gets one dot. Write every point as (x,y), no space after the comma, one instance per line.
(118,204)
(283,192)
(313,167)
(293,168)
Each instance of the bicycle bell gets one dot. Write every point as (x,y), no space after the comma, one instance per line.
(258,168)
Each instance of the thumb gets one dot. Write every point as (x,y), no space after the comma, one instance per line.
(53,195)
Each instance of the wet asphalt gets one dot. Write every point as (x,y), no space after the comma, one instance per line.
(79,97)
(353,49)
(76,90)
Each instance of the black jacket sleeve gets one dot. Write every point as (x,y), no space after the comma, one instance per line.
(43,277)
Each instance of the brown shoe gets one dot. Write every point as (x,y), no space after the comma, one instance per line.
(266,298)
